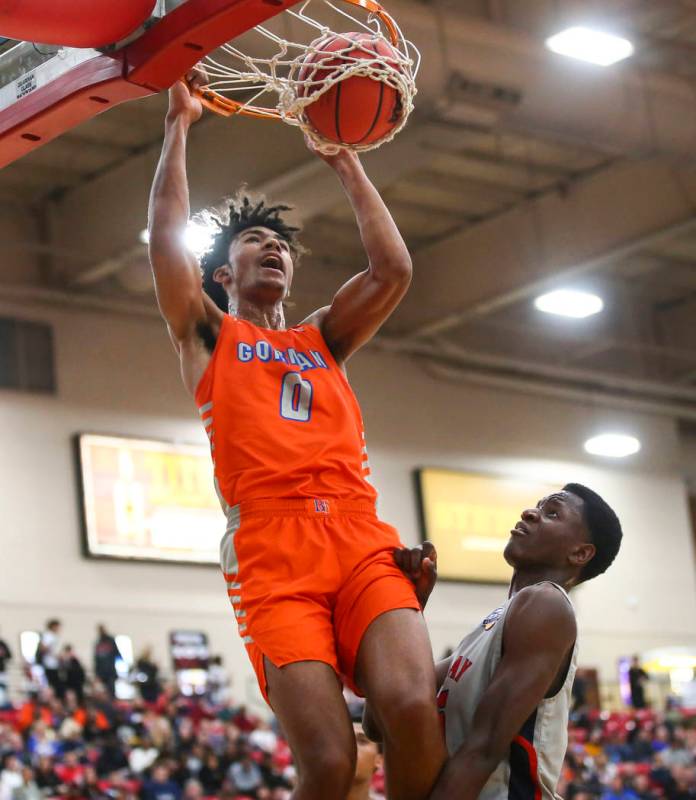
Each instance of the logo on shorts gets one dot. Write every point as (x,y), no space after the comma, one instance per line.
(321,506)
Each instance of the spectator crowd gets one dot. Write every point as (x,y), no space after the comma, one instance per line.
(72,738)
(175,748)
(635,755)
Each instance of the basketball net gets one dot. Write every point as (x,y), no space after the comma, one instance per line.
(282,85)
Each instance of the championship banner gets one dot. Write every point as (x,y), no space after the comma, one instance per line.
(148,500)
(468,518)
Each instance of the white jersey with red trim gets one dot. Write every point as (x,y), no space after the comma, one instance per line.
(534,761)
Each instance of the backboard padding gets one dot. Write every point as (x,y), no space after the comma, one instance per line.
(35,111)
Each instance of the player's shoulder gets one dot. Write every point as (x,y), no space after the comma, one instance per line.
(316,318)
(543,605)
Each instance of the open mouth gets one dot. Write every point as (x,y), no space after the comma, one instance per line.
(273,262)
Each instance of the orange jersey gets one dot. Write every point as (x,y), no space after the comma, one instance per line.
(281,417)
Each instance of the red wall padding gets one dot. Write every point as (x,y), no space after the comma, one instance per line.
(74,23)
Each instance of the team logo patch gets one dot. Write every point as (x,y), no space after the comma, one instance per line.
(492,618)
(321,506)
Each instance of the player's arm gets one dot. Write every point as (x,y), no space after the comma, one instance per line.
(364,303)
(539,634)
(177,275)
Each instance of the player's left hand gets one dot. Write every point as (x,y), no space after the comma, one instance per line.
(419,564)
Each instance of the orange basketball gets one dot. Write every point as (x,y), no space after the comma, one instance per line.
(357,110)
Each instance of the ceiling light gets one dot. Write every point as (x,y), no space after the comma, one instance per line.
(198,237)
(590,45)
(569,303)
(612,445)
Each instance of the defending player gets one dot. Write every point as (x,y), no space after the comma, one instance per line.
(309,567)
(505,693)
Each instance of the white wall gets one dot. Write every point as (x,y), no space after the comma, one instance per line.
(119,375)
(688,457)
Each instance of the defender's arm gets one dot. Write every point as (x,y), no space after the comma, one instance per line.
(364,303)
(539,634)
(176,272)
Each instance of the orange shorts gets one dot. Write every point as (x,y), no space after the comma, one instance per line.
(307,577)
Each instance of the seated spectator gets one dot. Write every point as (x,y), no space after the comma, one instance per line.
(211,774)
(10,776)
(193,790)
(263,737)
(272,777)
(244,721)
(42,740)
(142,756)
(111,757)
(70,771)
(677,754)
(29,789)
(38,706)
(45,775)
(618,791)
(159,729)
(684,787)
(641,786)
(160,786)
(245,775)
(641,748)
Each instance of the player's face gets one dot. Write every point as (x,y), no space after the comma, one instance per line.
(261,265)
(547,535)
(368,756)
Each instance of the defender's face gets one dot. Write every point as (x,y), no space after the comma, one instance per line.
(261,265)
(546,536)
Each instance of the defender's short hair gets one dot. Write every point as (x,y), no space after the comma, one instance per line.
(604,527)
(242,213)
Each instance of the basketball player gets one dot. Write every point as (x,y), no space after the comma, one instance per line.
(309,567)
(505,693)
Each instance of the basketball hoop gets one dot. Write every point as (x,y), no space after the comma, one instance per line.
(297,74)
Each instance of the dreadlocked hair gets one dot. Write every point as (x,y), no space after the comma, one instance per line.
(242,212)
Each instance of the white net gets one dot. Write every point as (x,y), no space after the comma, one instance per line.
(285,82)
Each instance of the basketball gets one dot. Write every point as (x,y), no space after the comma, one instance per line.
(358,110)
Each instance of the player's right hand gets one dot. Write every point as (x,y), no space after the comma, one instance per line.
(419,564)
(182,103)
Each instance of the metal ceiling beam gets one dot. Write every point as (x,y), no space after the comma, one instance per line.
(453,365)
(513,370)
(555,238)
(559,392)
(311,187)
(589,345)
(88,302)
(617,110)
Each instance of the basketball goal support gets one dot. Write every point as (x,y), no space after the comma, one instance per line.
(151,63)
(75,23)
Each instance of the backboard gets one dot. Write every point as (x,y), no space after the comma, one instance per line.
(46,90)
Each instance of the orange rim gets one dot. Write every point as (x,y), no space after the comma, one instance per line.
(226,107)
